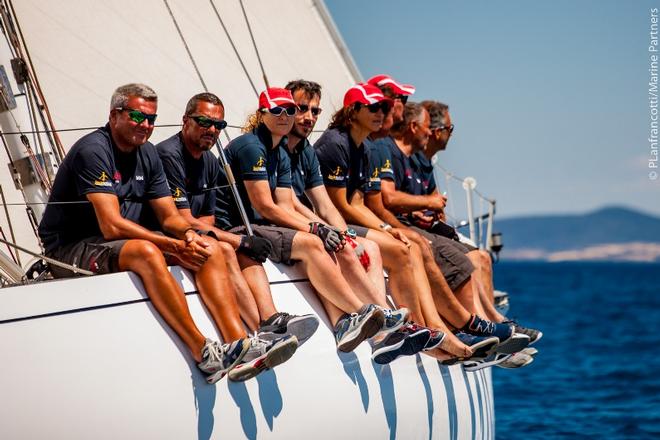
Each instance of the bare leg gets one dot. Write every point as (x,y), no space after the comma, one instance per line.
(323,274)
(358,279)
(218,294)
(375,271)
(484,304)
(255,275)
(146,260)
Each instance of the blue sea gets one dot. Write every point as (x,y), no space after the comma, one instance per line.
(597,373)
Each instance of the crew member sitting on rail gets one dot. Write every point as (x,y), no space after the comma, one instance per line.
(340,151)
(98,195)
(313,202)
(263,176)
(192,172)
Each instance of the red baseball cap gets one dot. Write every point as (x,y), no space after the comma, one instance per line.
(364,94)
(275,97)
(385,80)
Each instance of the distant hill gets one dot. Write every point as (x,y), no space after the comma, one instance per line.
(612,233)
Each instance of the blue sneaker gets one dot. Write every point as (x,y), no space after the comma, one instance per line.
(407,341)
(482,327)
(482,346)
(280,324)
(394,319)
(534,335)
(493,359)
(218,359)
(352,329)
(435,339)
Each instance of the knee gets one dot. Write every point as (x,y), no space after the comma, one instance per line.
(226,250)
(309,242)
(486,261)
(475,259)
(373,250)
(138,254)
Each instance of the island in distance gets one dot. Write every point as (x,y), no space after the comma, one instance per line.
(608,234)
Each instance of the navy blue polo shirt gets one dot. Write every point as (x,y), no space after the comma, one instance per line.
(380,157)
(398,167)
(190,180)
(423,168)
(305,170)
(344,164)
(253,157)
(95,165)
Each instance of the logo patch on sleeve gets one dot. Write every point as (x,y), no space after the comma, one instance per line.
(260,165)
(102,180)
(336,175)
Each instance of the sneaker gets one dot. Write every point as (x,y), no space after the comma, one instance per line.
(407,341)
(218,359)
(352,329)
(281,323)
(435,339)
(534,335)
(517,360)
(394,319)
(482,346)
(263,355)
(514,344)
(493,359)
(481,327)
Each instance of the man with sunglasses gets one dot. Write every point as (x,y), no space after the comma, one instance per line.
(106,181)
(192,173)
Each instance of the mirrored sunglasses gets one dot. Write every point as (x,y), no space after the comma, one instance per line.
(290,111)
(304,108)
(205,122)
(137,116)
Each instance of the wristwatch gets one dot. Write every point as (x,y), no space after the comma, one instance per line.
(350,232)
(385,227)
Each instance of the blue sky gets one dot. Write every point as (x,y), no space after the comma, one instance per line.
(550,100)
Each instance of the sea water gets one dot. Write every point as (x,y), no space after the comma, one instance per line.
(597,373)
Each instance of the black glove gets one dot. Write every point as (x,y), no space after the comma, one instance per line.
(255,247)
(331,238)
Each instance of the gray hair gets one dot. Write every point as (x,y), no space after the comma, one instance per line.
(202,97)
(413,112)
(123,93)
(438,112)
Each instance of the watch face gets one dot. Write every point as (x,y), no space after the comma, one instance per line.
(351,233)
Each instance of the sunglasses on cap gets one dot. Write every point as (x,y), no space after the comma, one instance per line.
(205,122)
(290,111)
(137,116)
(384,106)
(304,108)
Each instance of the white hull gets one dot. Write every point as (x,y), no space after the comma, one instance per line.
(90,358)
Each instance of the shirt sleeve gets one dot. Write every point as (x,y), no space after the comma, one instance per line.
(385,163)
(94,170)
(251,160)
(283,169)
(176,175)
(333,164)
(372,169)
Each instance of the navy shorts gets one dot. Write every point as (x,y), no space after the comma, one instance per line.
(95,254)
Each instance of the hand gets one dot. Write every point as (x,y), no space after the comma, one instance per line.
(194,253)
(256,248)
(424,219)
(398,234)
(438,203)
(332,241)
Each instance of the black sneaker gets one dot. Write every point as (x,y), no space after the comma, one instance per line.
(352,329)
(280,324)
(534,335)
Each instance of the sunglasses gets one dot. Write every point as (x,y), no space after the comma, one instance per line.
(205,122)
(384,106)
(304,108)
(137,116)
(290,111)
(449,129)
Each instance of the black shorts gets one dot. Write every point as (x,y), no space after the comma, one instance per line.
(361,231)
(281,240)
(450,256)
(95,254)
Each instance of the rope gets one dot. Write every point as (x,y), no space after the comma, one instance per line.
(233,46)
(52,261)
(185,44)
(254,43)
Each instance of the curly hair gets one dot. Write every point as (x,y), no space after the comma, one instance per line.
(253,121)
(343,118)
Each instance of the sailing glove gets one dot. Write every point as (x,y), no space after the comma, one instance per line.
(256,248)
(331,237)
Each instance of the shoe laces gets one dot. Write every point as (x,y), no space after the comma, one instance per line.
(215,352)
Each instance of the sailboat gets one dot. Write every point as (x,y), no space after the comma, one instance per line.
(89,357)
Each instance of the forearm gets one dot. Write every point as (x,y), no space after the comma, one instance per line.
(401,202)
(205,225)
(306,212)
(361,215)
(332,216)
(126,229)
(285,218)
(375,204)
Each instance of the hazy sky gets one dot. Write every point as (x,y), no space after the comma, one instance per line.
(550,100)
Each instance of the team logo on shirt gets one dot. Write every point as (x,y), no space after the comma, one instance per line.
(102,180)
(374,176)
(387,166)
(336,175)
(178,195)
(260,165)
